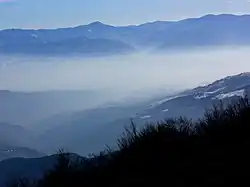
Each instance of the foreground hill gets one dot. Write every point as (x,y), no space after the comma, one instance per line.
(101,39)
(209,152)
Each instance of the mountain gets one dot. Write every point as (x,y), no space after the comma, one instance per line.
(77,131)
(89,131)
(76,46)
(13,142)
(101,39)
(14,135)
(24,108)
(194,102)
(210,30)
(46,42)
(7,152)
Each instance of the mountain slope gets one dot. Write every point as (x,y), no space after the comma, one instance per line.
(14,135)
(210,30)
(7,152)
(24,108)
(90,131)
(77,45)
(14,141)
(82,132)
(192,103)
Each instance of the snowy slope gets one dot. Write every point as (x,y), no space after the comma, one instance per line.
(193,103)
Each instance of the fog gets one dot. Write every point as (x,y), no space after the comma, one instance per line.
(122,74)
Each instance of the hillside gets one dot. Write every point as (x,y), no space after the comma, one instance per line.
(84,131)
(100,39)
(89,131)
(14,135)
(24,108)
(209,152)
(14,140)
(8,151)
(193,103)
(27,42)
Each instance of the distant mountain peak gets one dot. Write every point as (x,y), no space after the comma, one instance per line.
(94,25)
(97,23)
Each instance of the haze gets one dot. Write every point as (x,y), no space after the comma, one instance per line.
(122,74)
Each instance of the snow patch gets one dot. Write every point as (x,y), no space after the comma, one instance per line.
(239,93)
(165,100)
(202,96)
(145,117)
(221,82)
(207,94)
(165,110)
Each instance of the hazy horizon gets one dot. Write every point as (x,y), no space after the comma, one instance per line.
(122,73)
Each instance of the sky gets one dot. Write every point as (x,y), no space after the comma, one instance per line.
(64,13)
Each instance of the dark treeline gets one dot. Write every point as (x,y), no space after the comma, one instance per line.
(213,151)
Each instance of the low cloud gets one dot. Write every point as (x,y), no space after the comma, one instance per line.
(126,74)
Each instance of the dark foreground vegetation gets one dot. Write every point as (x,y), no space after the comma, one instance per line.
(214,151)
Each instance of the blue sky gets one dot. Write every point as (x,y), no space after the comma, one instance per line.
(63,13)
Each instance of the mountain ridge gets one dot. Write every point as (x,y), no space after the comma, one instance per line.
(98,38)
(133,25)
